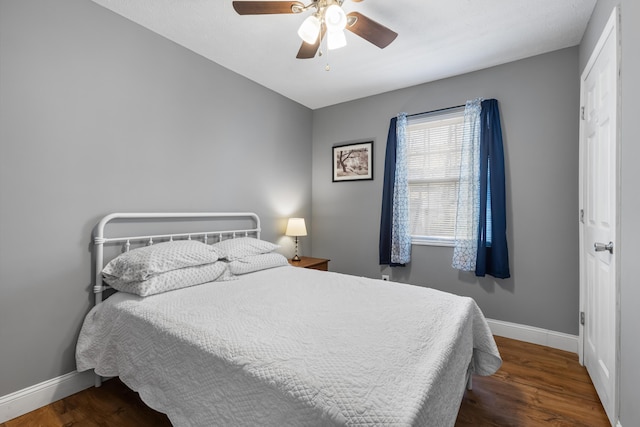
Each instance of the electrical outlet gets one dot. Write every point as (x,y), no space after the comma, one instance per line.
(385,277)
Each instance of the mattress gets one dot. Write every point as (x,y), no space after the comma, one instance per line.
(290,346)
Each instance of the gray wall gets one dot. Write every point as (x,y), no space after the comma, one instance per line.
(99,115)
(630,226)
(599,17)
(629,252)
(538,99)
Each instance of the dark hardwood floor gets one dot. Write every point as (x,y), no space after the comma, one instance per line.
(536,386)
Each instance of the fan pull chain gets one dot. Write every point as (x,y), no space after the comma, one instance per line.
(326,67)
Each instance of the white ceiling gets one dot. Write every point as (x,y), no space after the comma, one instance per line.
(437,39)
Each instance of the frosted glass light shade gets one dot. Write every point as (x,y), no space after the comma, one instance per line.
(310,29)
(336,40)
(335,18)
(296,227)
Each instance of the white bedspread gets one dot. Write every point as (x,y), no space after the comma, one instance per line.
(293,347)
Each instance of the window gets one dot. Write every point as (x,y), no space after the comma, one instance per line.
(433,156)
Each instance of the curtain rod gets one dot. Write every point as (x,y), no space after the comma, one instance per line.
(437,111)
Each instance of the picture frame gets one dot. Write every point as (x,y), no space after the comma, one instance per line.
(352,161)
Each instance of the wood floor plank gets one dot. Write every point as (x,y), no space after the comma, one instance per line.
(536,386)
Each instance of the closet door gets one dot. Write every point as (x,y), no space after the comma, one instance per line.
(599,217)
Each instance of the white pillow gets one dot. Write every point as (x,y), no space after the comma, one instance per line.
(257,262)
(233,249)
(170,280)
(143,263)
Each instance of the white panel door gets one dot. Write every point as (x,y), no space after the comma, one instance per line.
(599,171)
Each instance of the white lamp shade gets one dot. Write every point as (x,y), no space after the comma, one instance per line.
(296,227)
(335,18)
(310,29)
(336,40)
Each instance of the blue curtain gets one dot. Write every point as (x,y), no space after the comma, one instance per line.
(386,219)
(395,239)
(493,255)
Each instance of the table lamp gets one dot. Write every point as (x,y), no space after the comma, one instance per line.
(296,227)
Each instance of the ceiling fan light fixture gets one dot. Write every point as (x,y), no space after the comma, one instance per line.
(336,39)
(310,29)
(328,19)
(335,18)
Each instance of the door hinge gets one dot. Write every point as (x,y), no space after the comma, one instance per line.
(582,317)
(582,216)
(581,113)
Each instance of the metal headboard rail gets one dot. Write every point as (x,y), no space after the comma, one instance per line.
(100,240)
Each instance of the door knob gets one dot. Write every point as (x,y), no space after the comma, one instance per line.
(601,247)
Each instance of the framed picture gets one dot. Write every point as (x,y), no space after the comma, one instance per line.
(353,162)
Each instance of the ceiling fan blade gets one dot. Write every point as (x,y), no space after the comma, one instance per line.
(267,7)
(309,50)
(370,30)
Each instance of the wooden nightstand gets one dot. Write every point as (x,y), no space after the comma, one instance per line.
(313,263)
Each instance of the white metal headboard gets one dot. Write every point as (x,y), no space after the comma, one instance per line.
(100,239)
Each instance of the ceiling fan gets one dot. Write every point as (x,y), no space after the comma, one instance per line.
(327,18)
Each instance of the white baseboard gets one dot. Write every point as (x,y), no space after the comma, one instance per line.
(531,334)
(26,400)
(15,404)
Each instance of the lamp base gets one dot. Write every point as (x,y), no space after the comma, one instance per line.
(296,257)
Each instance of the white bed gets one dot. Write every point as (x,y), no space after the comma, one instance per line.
(288,346)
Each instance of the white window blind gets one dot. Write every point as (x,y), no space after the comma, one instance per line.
(434,146)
